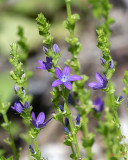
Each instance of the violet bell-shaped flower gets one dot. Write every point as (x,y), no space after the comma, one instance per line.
(66,130)
(39,121)
(55,49)
(70,99)
(98,105)
(102,82)
(45,49)
(31,149)
(18,107)
(78,120)
(66,121)
(61,108)
(119,99)
(16,88)
(23,90)
(45,65)
(64,77)
(26,105)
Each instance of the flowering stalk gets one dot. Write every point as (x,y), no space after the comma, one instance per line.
(23,107)
(78,88)
(54,55)
(68,115)
(110,129)
(75,46)
(6,126)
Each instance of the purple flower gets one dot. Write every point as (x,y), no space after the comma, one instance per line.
(70,99)
(102,60)
(98,105)
(66,130)
(78,120)
(64,77)
(31,149)
(102,82)
(23,90)
(111,64)
(66,121)
(61,108)
(119,99)
(18,107)
(45,49)
(55,49)
(26,105)
(45,65)
(39,122)
(16,88)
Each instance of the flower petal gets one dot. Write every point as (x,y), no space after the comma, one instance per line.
(26,105)
(74,78)
(98,101)
(99,78)
(56,83)
(48,120)
(48,59)
(94,85)
(105,79)
(31,149)
(68,85)
(42,65)
(18,107)
(66,71)
(33,116)
(34,123)
(44,124)
(55,49)
(58,72)
(13,107)
(40,118)
(102,61)
(45,49)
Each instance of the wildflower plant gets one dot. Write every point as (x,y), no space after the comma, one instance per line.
(71,88)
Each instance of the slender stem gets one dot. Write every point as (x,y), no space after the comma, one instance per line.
(68,9)
(10,137)
(36,145)
(72,128)
(72,149)
(85,127)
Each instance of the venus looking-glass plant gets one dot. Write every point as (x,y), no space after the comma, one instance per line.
(65,82)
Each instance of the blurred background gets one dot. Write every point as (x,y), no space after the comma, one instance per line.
(14,13)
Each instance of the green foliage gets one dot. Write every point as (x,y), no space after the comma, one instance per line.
(44,27)
(10,158)
(20,75)
(100,8)
(109,127)
(23,44)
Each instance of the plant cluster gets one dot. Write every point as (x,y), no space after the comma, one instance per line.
(71,88)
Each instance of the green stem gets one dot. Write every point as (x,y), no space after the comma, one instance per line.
(68,9)
(10,137)
(72,149)
(85,127)
(37,149)
(72,128)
